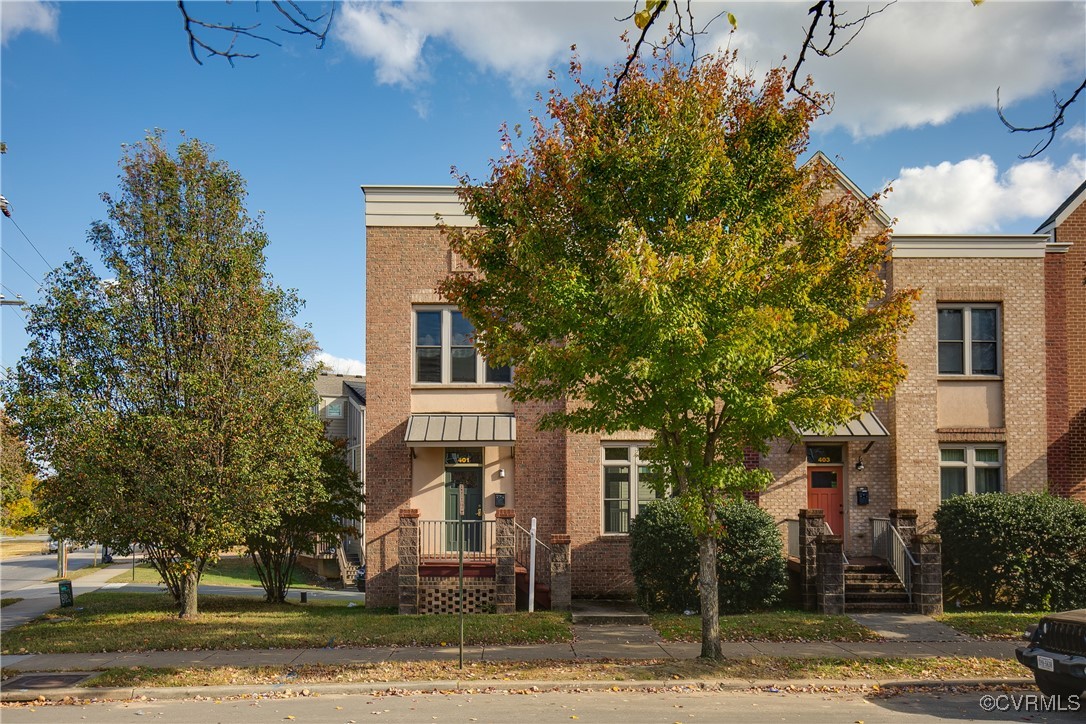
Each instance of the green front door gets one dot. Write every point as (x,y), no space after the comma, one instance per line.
(472,480)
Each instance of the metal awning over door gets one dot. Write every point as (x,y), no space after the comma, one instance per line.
(865,427)
(445,430)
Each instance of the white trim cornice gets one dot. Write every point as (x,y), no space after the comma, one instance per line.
(414,206)
(944,246)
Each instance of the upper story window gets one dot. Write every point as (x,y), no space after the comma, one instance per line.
(333,408)
(445,353)
(969,339)
(626,487)
(970,469)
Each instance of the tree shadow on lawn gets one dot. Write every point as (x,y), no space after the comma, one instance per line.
(125,621)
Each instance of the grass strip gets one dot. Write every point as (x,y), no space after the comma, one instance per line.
(777,626)
(230,570)
(8,601)
(126,621)
(990,624)
(18,548)
(774,669)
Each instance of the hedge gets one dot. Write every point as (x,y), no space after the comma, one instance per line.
(664,558)
(1022,551)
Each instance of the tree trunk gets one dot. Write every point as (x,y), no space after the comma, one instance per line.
(710,598)
(190,585)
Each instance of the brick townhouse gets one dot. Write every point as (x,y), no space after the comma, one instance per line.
(973,415)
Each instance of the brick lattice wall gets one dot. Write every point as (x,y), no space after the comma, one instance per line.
(441,595)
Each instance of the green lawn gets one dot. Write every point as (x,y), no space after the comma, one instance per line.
(990,624)
(8,601)
(766,626)
(120,621)
(230,570)
(771,669)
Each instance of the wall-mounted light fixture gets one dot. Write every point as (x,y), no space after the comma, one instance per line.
(860,463)
(501,472)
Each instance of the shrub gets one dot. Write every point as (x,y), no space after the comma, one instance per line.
(1024,551)
(664,559)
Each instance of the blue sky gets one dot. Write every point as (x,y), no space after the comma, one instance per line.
(404,91)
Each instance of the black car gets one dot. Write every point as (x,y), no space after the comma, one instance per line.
(1057,653)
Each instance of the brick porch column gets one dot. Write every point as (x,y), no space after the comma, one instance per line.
(831,575)
(561,587)
(811,525)
(408,548)
(904,519)
(928,584)
(505,575)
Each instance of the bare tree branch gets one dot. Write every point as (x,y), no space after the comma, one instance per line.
(204,35)
(1058,119)
(828,9)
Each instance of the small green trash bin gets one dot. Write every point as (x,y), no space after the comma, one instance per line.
(66,597)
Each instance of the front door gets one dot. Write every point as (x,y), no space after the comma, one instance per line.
(824,492)
(472,480)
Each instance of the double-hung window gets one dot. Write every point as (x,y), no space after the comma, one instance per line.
(970,469)
(444,350)
(969,339)
(626,487)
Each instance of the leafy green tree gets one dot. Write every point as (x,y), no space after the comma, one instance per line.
(17,480)
(171,396)
(332,496)
(656,258)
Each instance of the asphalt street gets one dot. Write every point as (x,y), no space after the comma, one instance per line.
(627,707)
(26,571)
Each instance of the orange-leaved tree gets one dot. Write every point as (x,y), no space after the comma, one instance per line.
(658,258)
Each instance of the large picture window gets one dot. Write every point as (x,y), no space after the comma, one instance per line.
(969,340)
(970,469)
(626,487)
(444,350)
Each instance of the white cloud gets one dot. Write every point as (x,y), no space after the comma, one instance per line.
(917,63)
(342,365)
(971,196)
(34,16)
(1075,134)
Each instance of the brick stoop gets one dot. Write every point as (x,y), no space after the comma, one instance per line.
(873,586)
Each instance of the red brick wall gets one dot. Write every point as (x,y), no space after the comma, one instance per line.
(1066,304)
(399,261)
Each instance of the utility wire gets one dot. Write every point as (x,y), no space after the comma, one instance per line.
(32,244)
(5,286)
(16,262)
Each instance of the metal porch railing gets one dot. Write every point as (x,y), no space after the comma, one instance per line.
(442,539)
(887,543)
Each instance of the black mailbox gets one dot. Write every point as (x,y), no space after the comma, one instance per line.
(862,498)
(499,500)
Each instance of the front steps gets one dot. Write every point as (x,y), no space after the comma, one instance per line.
(873,586)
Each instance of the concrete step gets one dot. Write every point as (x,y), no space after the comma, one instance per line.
(879,597)
(874,587)
(608,612)
(874,577)
(872,606)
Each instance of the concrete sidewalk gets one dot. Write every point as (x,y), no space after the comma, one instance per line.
(594,642)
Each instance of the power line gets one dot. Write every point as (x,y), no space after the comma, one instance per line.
(5,286)
(32,244)
(16,262)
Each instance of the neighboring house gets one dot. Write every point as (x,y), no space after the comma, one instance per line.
(1065,317)
(971,417)
(341,406)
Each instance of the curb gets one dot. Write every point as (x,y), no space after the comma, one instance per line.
(475,687)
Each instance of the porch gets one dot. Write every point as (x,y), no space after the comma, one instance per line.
(506,566)
(901,572)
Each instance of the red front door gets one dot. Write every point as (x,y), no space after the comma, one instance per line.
(824,492)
